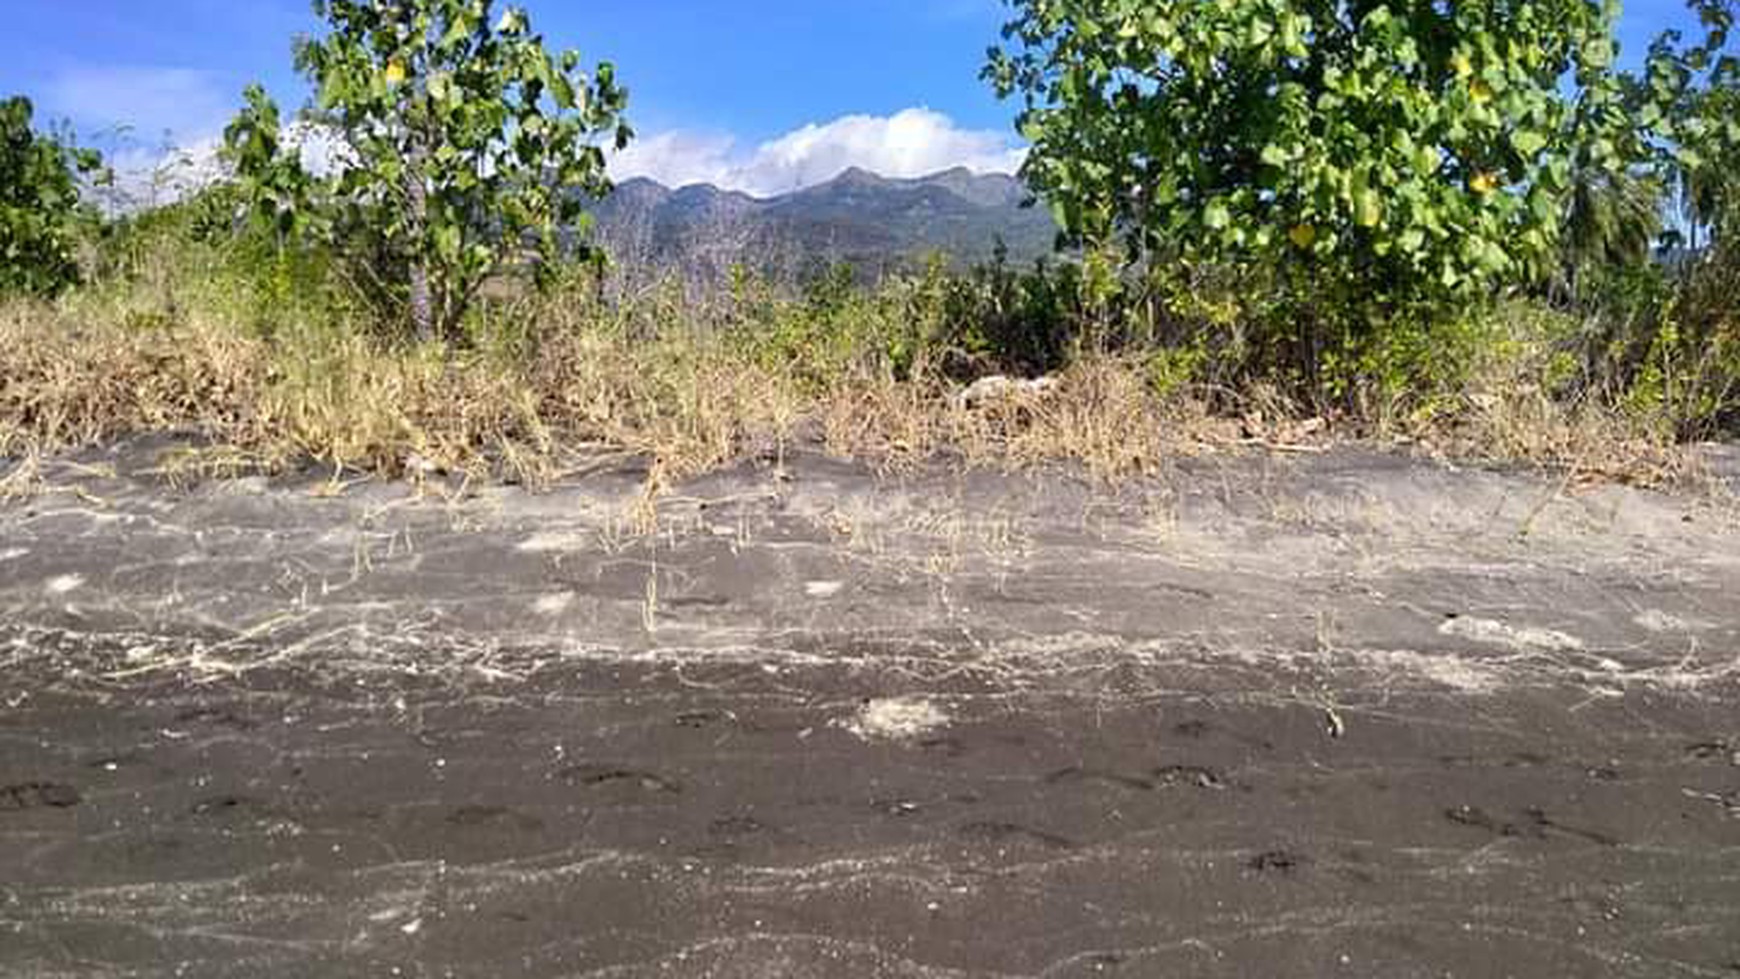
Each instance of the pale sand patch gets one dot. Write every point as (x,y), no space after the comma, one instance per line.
(896,719)
(1521,638)
(553,605)
(1655,620)
(62,584)
(552,541)
(1456,672)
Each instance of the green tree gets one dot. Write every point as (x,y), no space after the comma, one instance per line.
(41,210)
(1692,365)
(1613,202)
(1386,151)
(1691,100)
(465,150)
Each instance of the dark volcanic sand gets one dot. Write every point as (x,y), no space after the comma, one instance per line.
(1346,715)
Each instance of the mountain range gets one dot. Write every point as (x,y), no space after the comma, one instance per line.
(871,222)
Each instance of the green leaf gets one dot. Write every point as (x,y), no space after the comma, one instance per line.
(1367,207)
(1528,142)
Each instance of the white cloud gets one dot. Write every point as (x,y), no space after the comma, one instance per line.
(910,143)
(151,177)
(675,159)
(158,127)
(145,178)
(148,102)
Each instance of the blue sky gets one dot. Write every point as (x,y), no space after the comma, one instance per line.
(763,94)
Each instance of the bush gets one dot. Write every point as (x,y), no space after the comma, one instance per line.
(467,152)
(41,214)
(1375,155)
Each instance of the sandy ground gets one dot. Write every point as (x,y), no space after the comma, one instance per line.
(1345,714)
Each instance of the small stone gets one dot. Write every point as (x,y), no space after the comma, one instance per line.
(897,719)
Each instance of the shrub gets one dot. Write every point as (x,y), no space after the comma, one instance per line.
(1370,163)
(41,213)
(466,151)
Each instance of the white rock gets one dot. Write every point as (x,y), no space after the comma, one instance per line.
(897,719)
(997,387)
(62,584)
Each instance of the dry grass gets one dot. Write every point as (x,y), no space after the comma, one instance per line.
(338,398)
(1104,415)
(344,401)
(1508,414)
(1100,414)
(64,383)
(685,397)
(257,404)
(688,401)
(691,405)
(1588,443)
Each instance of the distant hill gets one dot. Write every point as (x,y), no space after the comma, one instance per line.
(875,223)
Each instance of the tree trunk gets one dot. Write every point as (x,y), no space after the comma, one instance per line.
(417,197)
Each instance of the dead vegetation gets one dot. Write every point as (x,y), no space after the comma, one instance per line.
(570,378)
(690,403)
(1585,442)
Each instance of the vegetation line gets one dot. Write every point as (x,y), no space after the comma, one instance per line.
(1460,226)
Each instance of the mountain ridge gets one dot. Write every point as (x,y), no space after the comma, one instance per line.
(873,222)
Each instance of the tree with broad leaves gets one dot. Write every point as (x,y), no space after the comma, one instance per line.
(1387,151)
(41,208)
(464,151)
(1689,97)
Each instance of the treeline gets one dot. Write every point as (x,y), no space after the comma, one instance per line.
(1393,214)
